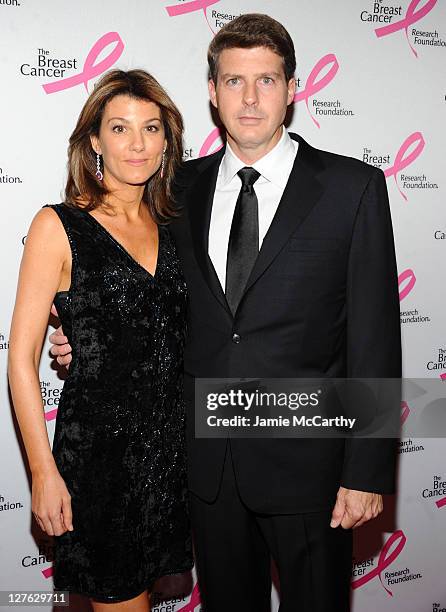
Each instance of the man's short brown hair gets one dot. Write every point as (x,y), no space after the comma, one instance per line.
(253,30)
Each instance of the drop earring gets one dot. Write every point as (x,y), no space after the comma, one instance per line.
(99,174)
(162,164)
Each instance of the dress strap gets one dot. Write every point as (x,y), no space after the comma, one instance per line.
(66,216)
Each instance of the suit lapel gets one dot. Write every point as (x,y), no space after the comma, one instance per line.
(200,207)
(301,193)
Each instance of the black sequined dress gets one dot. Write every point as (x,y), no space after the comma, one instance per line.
(119,438)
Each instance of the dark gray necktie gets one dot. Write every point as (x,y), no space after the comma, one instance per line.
(243,245)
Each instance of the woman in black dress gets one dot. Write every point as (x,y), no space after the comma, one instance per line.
(113,489)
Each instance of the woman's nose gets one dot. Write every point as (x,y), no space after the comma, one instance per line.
(137,143)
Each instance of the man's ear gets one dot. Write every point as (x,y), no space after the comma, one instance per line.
(291,90)
(95,144)
(212,92)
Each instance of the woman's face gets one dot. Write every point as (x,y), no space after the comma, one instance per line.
(131,140)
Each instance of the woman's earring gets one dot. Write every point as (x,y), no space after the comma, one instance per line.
(162,164)
(99,174)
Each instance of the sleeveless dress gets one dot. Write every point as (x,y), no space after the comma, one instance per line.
(119,441)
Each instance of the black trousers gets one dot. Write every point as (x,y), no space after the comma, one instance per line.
(234,546)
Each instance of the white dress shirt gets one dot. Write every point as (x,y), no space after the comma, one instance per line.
(274,168)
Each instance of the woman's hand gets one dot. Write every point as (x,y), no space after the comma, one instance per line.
(51,503)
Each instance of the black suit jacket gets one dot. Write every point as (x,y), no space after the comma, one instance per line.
(321,301)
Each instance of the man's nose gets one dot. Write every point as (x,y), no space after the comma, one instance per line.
(250,94)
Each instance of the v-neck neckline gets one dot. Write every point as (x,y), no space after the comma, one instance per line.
(125,251)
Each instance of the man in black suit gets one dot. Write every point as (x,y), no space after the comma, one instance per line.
(289,260)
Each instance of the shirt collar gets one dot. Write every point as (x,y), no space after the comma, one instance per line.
(275,166)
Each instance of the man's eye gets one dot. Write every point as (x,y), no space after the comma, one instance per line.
(118,129)
(267,80)
(233,81)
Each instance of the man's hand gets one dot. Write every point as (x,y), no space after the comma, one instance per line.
(60,349)
(354,508)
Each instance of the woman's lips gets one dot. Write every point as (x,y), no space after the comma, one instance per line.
(136,162)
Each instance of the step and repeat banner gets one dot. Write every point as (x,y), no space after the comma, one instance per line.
(371,85)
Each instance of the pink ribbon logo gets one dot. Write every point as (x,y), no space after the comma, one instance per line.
(194,601)
(441,502)
(408,279)
(51,415)
(405,411)
(402,160)
(412,16)
(215,135)
(48,572)
(384,560)
(91,69)
(174,10)
(313,84)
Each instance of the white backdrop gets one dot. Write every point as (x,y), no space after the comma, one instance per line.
(371,85)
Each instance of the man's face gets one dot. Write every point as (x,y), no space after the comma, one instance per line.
(251,95)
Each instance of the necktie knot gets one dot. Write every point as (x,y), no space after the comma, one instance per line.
(248,177)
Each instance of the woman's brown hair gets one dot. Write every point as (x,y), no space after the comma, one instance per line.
(82,185)
(253,30)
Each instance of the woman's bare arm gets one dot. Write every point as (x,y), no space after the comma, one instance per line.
(45,269)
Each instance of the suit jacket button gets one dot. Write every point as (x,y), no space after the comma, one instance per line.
(236,339)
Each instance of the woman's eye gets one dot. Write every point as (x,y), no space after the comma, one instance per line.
(152,128)
(118,129)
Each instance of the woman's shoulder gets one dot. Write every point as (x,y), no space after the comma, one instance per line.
(70,216)
(46,219)
(56,218)
(46,231)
